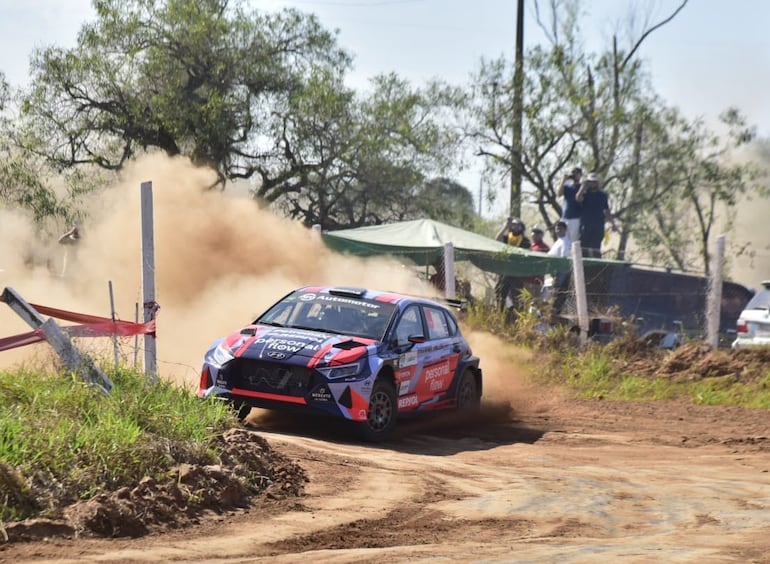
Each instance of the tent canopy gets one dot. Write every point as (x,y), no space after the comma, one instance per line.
(422,241)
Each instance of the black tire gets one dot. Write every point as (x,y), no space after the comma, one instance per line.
(382,414)
(468,396)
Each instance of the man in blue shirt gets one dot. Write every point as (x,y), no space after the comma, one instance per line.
(596,211)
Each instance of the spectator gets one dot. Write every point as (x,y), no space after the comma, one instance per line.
(563,245)
(512,233)
(538,243)
(596,211)
(508,288)
(535,283)
(561,248)
(573,209)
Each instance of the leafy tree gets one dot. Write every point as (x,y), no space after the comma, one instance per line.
(699,181)
(600,111)
(203,78)
(26,181)
(255,96)
(446,200)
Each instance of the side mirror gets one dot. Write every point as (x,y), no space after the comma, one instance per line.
(416,338)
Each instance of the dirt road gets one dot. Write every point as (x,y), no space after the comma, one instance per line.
(559,480)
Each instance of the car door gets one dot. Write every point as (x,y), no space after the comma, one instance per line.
(438,356)
(409,324)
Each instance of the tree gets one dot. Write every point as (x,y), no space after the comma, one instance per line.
(26,181)
(600,111)
(699,182)
(363,156)
(446,200)
(202,78)
(255,96)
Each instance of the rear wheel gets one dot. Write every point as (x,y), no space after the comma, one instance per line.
(468,397)
(383,410)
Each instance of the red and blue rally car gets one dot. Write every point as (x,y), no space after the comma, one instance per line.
(363,355)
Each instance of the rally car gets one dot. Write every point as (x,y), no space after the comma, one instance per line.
(363,355)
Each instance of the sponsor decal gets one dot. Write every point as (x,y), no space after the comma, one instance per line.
(403,374)
(339,300)
(407,401)
(288,345)
(437,385)
(298,334)
(321,394)
(361,414)
(276,355)
(408,359)
(437,371)
(307,297)
(403,388)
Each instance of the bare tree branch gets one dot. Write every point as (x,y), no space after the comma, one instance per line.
(649,31)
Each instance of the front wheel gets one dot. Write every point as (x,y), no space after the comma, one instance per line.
(383,410)
(468,396)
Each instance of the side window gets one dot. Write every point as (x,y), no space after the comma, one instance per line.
(437,323)
(453,329)
(409,324)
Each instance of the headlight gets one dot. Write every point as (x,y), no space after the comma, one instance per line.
(220,356)
(344,371)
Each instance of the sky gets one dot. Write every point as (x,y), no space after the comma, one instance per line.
(707,59)
(710,57)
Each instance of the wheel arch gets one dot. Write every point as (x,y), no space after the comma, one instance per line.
(472,364)
(387,372)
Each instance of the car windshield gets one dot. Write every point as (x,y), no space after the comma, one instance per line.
(760,301)
(331,314)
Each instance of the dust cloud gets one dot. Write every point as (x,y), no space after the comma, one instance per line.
(220,260)
(751,233)
(506,391)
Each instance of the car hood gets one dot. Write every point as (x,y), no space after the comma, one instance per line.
(282,344)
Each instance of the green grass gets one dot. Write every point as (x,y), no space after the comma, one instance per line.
(599,372)
(58,433)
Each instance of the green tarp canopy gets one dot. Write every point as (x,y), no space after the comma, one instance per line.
(422,242)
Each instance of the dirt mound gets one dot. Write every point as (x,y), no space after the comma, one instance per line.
(250,471)
(692,361)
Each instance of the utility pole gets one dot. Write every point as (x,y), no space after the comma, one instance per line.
(518,111)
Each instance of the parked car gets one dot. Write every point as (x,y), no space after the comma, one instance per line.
(363,355)
(753,326)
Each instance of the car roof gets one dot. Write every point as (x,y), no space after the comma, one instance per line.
(369,294)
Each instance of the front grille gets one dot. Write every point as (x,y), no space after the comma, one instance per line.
(270,377)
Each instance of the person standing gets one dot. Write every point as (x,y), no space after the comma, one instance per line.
(563,245)
(512,233)
(596,212)
(538,243)
(561,248)
(508,288)
(569,189)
